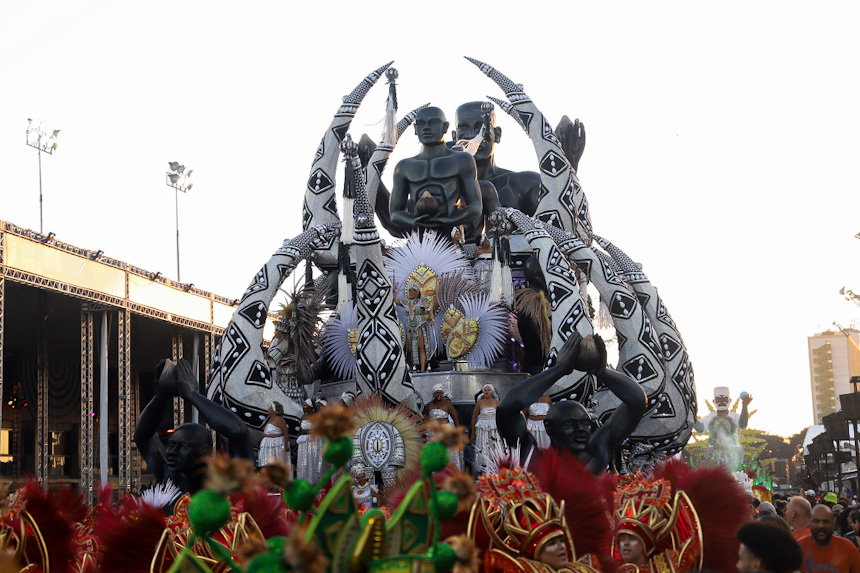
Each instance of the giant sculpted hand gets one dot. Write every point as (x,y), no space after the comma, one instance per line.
(571,135)
(584,354)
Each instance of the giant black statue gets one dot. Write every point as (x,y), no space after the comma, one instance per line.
(568,423)
(438,188)
(183,461)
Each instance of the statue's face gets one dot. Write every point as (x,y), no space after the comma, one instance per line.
(431,125)
(469,120)
(721,401)
(630,549)
(187,449)
(554,553)
(568,425)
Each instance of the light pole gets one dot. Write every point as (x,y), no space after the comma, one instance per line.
(178,178)
(39,139)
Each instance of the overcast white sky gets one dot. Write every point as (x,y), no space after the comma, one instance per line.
(722,141)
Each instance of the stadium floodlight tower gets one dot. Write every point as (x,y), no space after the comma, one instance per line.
(179,178)
(44,139)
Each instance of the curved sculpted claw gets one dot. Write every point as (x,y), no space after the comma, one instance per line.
(240,376)
(357,95)
(625,263)
(501,79)
(510,110)
(321,205)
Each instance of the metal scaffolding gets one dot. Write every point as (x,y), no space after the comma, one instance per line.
(2,324)
(178,406)
(43,435)
(87,404)
(124,393)
(136,460)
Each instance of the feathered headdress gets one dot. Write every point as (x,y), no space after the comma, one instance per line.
(424,261)
(299,321)
(534,305)
(339,341)
(478,336)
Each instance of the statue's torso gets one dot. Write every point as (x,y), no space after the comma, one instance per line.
(441,176)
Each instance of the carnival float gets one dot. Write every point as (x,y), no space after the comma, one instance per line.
(379,355)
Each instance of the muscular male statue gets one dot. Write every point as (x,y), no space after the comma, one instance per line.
(517,189)
(568,423)
(438,188)
(183,461)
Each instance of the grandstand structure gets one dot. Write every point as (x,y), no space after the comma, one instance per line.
(80,335)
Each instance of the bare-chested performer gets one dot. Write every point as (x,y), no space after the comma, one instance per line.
(438,188)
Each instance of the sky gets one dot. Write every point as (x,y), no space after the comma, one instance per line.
(721,142)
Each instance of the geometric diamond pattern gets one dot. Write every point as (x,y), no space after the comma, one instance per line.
(669,347)
(557,294)
(639,368)
(571,319)
(259,375)
(255,313)
(237,347)
(373,287)
(557,264)
(646,337)
(622,305)
(553,164)
(377,354)
(319,182)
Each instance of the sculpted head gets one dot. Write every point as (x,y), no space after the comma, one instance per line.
(568,425)
(186,454)
(431,125)
(468,121)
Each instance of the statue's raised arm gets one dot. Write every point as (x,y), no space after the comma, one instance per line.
(568,423)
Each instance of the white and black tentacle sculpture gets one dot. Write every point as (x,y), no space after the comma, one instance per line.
(320,205)
(566,304)
(380,360)
(562,201)
(668,423)
(239,377)
(638,351)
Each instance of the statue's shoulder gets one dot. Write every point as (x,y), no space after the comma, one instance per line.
(527,178)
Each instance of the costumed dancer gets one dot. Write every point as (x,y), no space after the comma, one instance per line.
(275,445)
(483,262)
(679,519)
(309,461)
(441,410)
(535,415)
(522,528)
(485,435)
(366,494)
(419,319)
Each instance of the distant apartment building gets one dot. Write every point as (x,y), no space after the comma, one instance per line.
(834,358)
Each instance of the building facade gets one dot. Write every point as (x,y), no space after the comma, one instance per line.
(80,334)
(834,357)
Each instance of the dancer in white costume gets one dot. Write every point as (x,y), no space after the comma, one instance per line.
(309,462)
(275,445)
(365,493)
(535,415)
(442,409)
(485,436)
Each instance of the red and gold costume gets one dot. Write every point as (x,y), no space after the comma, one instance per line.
(513,521)
(664,522)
